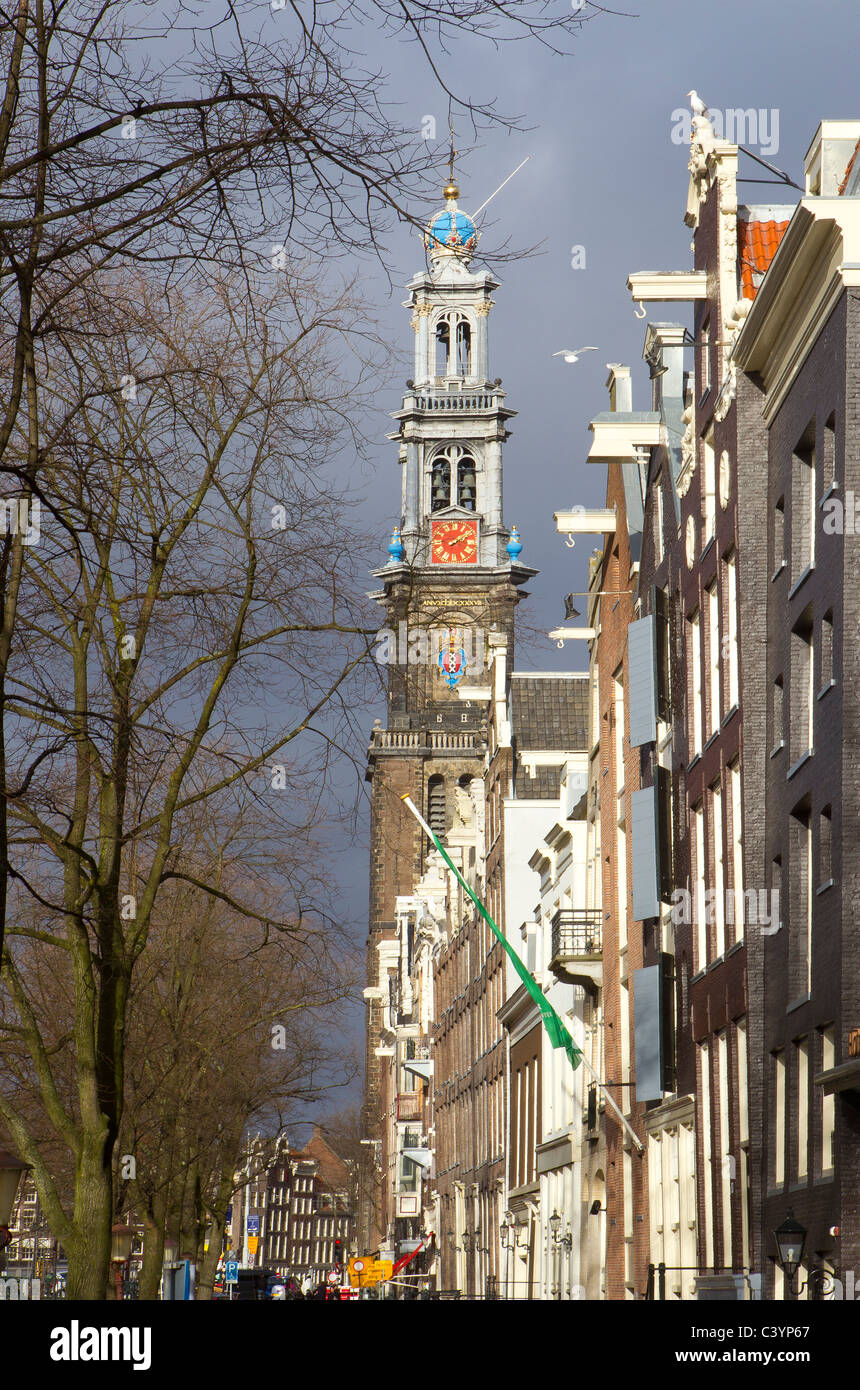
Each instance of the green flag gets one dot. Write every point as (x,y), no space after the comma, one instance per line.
(557,1033)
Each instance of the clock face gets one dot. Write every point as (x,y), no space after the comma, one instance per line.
(454,543)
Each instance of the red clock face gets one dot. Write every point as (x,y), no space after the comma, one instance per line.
(455,543)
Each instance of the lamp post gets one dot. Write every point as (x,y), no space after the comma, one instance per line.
(121,1237)
(790,1239)
(506,1232)
(559,1240)
(11,1169)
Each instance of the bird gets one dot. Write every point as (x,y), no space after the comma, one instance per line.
(569,610)
(697,106)
(573,354)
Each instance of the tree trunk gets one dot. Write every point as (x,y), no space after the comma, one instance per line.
(153,1249)
(89,1251)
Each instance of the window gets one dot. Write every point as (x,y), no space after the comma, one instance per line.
(709,490)
(658,520)
(737,856)
(440,487)
(778,536)
(719,875)
(618,718)
(436,805)
(696,681)
(699,880)
(730,597)
(828,457)
(800,902)
(727,1161)
(802,1070)
(453,345)
(803,505)
(801,690)
(777,715)
(713,659)
(466,486)
(705,357)
(463,342)
(778,1166)
(707,1152)
(825,846)
(456,466)
(826,644)
(828,1104)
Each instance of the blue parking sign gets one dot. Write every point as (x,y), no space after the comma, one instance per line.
(231,1272)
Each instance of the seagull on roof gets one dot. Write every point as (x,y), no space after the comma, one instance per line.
(573,354)
(697,106)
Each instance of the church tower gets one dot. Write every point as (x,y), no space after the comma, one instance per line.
(448,592)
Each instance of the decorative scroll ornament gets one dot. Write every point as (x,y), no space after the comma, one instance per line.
(688,453)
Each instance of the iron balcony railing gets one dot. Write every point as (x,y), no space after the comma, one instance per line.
(577,933)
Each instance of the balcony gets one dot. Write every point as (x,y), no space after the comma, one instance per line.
(577,946)
(409,1105)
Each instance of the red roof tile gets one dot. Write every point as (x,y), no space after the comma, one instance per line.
(844,182)
(757,244)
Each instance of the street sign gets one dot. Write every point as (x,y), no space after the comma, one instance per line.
(334,1277)
(253,1225)
(231,1272)
(364,1271)
(253,1242)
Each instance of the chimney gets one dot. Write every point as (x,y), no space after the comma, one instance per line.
(620,388)
(828,157)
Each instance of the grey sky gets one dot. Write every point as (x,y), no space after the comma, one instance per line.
(604,173)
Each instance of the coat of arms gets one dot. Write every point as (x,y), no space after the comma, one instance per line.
(452,657)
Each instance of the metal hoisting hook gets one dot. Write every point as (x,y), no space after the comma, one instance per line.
(644,313)
(570,543)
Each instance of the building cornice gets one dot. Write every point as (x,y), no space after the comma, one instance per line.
(817,259)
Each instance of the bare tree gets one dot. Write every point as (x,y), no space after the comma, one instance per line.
(174,648)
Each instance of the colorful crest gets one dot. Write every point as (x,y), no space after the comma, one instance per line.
(452,657)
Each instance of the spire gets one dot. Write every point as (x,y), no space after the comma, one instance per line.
(451,233)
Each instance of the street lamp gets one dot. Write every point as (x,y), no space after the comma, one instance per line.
(11,1169)
(121,1237)
(790,1239)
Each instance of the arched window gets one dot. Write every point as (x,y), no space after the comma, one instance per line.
(440,487)
(443,346)
(466,486)
(437,817)
(453,345)
(453,479)
(464,347)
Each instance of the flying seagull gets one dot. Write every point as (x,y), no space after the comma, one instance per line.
(697,106)
(573,354)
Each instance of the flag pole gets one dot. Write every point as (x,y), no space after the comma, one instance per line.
(560,1035)
(557,1032)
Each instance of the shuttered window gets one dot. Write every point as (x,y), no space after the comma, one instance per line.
(646,893)
(642,681)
